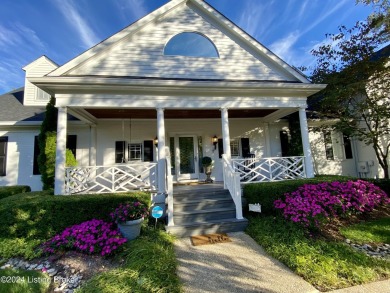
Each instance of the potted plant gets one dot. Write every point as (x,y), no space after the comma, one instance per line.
(207,164)
(129,217)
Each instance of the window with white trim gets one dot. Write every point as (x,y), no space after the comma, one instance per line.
(41,95)
(135,151)
(191,44)
(328,145)
(235,148)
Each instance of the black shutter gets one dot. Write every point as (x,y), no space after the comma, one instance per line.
(148,150)
(120,151)
(220,147)
(36,154)
(347,147)
(71,143)
(284,143)
(3,155)
(245,148)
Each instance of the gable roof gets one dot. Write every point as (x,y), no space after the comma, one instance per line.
(208,13)
(37,61)
(12,108)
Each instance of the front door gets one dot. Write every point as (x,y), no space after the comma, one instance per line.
(185,152)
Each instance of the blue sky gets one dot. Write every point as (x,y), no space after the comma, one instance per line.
(62,29)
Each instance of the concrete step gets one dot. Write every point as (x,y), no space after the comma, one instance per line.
(203,215)
(201,194)
(208,227)
(202,204)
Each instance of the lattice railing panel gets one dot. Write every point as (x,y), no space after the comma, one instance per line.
(270,169)
(108,179)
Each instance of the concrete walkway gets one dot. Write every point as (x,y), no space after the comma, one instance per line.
(237,266)
(243,266)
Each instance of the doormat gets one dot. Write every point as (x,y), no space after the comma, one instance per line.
(209,239)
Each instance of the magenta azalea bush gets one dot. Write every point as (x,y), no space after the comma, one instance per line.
(129,212)
(91,237)
(312,204)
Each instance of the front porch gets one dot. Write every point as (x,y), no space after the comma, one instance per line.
(143,176)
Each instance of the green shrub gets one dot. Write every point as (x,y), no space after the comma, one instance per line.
(266,193)
(26,218)
(383,184)
(6,191)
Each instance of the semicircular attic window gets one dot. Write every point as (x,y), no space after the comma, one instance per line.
(190,44)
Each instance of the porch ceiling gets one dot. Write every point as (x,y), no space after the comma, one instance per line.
(176,114)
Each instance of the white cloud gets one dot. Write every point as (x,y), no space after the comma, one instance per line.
(256,19)
(135,8)
(77,21)
(8,37)
(30,35)
(283,47)
(328,12)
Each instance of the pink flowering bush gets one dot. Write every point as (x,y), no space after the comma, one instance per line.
(91,237)
(312,204)
(129,212)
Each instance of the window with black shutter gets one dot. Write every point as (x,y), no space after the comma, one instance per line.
(71,144)
(347,147)
(3,155)
(220,147)
(284,143)
(245,148)
(36,154)
(120,147)
(148,151)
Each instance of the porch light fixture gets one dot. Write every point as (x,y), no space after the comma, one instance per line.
(215,141)
(156,141)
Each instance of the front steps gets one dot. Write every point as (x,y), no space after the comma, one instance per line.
(198,211)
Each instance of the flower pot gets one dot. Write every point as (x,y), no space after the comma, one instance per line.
(130,229)
(208,171)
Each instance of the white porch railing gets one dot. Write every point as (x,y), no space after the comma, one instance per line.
(169,186)
(269,169)
(231,181)
(108,179)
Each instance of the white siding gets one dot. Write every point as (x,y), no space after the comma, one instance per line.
(142,54)
(20,157)
(323,166)
(110,131)
(34,96)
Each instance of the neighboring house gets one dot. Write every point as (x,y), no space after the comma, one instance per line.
(183,78)
(338,154)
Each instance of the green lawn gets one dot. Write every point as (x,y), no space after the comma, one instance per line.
(20,281)
(27,220)
(325,264)
(149,266)
(376,231)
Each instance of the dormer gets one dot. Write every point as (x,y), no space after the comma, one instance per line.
(34,96)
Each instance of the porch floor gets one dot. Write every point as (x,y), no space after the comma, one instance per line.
(196,186)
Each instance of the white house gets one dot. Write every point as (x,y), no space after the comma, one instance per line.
(183,78)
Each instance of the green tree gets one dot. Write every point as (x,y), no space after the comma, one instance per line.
(47,145)
(358,91)
(381,13)
(49,125)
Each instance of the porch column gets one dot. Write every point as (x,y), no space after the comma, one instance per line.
(92,145)
(267,140)
(225,132)
(161,150)
(59,182)
(306,143)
